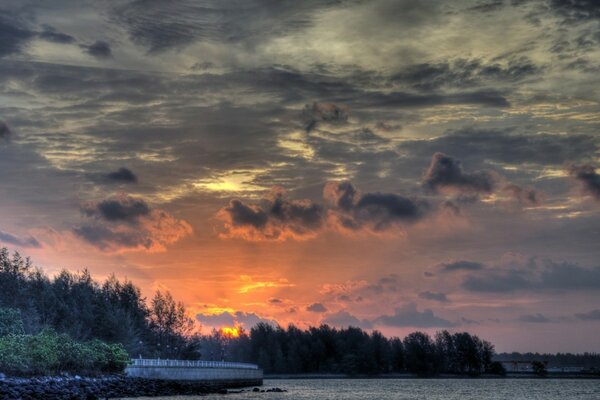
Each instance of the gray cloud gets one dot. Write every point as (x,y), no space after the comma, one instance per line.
(441,297)
(5,131)
(14,34)
(99,49)
(485,98)
(344,319)
(461,266)
(537,275)
(535,319)
(593,315)
(157,27)
(463,73)
(445,172)
(323,112)
(50,34)
(409,316)
(11,239)
(477,145)
(527,196)
(316,308)
(126,209)
(245,319)
(129,224)
(589,178)
(576,10)
(377,211)
(277,218)
(122,175)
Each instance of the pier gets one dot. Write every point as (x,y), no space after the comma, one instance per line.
(211,373)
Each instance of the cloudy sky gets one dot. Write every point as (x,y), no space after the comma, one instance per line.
(396,165)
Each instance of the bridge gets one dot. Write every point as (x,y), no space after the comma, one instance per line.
(213,373)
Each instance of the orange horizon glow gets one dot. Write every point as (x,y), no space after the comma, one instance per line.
(230,332)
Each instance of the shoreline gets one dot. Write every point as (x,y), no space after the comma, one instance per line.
(108,386)
(510,375)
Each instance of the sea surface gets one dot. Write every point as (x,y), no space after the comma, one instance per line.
(418,389)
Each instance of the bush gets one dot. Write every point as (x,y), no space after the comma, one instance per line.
(496,368)
(108,357)
(50,353)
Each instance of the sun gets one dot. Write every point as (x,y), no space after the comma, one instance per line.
(230,332)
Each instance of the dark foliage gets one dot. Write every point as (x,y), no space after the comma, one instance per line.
(74,304)
(351,351)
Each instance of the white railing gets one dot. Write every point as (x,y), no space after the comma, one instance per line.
(150,362)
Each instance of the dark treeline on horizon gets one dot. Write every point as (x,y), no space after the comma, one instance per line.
(351,350)
(114,311)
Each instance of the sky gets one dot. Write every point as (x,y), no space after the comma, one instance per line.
(393,165)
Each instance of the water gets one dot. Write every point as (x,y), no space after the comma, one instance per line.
(419,389)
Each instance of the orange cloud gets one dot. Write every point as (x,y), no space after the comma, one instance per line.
(251,285)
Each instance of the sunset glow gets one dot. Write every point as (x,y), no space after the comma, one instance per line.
(230,332)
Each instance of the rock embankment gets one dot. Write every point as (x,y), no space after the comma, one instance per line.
(76,388)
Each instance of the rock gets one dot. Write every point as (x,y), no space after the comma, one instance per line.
(256,389)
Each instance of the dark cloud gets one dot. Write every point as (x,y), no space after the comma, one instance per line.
(344,319)
(241,215)
(536,275)
(409,316)
(535,319)
(487,6)
(160,27)
(14,34)
(588,177)
(593,315)
(99,49)
(376,211)
(503,145)
(576,10)
(527,196)
(366,135)
(323,112)
(463,73)
(129,224)
(239,318)
(461,266)
(52,35)
(122,175)
(441,297)
(278,218)
(484,98)
(316,308)
(123,208)
(446,173)
(5,131)
(11,239)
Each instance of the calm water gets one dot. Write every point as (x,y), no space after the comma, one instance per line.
(420,389)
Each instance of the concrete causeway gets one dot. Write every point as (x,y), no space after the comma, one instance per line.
(212,373)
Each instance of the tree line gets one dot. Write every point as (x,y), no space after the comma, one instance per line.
(351,350)
(112,311)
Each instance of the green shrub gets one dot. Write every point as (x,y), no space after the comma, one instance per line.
(108,357)
(12,354)
(50,353)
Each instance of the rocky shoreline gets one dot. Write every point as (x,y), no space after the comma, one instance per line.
(88,388)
